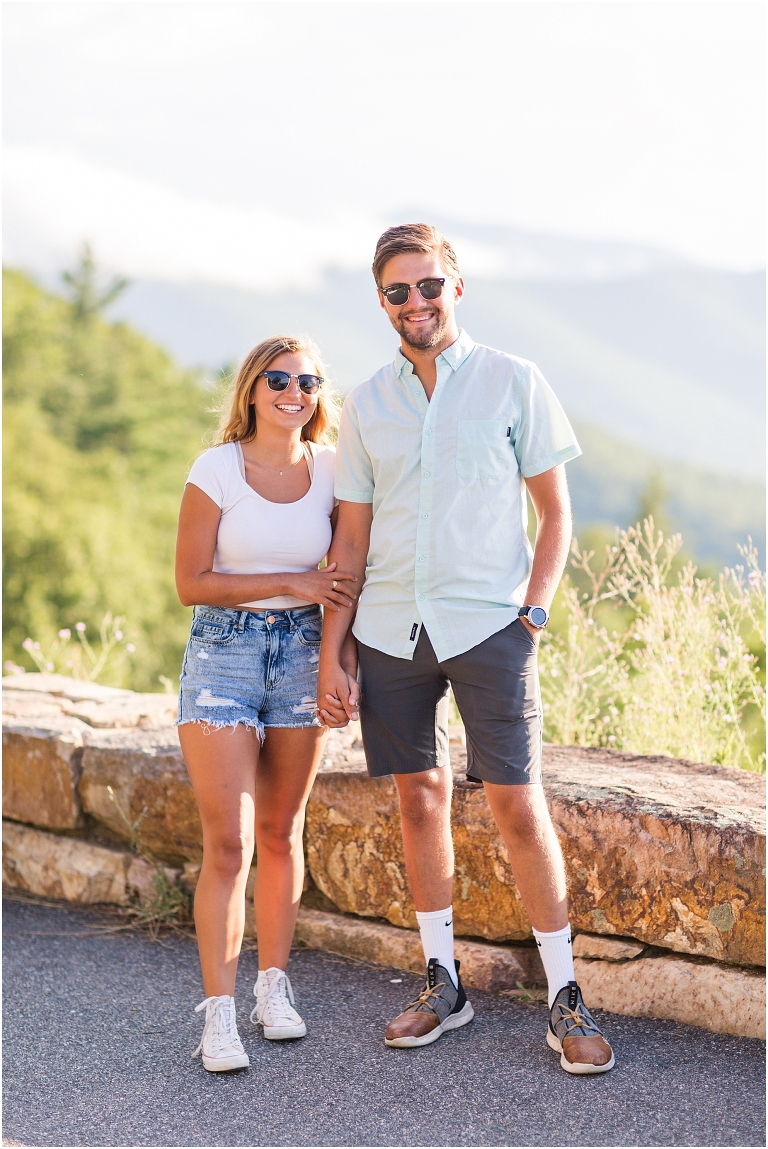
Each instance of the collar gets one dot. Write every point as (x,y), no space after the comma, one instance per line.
(454,356)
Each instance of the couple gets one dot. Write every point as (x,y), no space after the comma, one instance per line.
(424,528)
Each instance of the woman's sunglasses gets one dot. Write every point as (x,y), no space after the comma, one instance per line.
(281,380)
(399,293)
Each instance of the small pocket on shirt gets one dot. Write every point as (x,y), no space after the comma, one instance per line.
(483,450)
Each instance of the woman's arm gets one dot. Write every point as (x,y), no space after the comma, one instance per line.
(337,695)
(198,584)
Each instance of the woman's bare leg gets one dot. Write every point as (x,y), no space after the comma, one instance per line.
(287,767)
(222,766)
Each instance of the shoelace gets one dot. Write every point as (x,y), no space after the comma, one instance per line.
(220,1021)
(425,995)
(274,1002)
(575,1019)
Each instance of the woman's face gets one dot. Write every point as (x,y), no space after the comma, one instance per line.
(289,409)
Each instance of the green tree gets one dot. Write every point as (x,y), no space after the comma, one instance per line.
(100,430)
(87,297)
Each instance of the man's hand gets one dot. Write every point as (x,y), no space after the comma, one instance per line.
(536,631)
(338,697)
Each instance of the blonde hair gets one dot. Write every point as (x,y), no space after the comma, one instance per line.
(238,414)
(420,237)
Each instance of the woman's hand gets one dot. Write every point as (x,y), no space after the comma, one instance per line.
(338,697)
(330,588)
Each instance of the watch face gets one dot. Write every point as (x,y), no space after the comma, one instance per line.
(537,616)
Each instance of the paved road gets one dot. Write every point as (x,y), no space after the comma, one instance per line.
(99,1032)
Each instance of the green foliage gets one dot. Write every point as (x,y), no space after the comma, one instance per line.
(653,659)
(100,430)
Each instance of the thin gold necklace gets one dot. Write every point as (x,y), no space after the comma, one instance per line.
(273,469)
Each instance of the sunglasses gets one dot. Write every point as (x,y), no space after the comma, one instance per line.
(281,380)
(399,293)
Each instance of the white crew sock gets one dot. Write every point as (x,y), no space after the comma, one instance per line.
(436,929)
(557,959)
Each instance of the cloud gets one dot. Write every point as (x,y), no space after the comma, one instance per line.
(55,200)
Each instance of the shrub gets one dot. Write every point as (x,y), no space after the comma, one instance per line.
(658,661)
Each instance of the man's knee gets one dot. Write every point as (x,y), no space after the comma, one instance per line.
(523,810)
(425,796)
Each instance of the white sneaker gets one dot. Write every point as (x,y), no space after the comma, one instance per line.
(274,1006)
(220,1044)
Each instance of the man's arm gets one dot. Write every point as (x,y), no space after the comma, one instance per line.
(336,695)
(549,495)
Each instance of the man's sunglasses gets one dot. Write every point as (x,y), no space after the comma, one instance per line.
(399,293)
(281,380)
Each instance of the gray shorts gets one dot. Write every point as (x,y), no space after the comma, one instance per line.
(404,708)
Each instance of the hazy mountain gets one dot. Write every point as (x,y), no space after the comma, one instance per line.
(713,512)
(671,360)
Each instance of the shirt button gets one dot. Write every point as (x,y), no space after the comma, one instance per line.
(422,558)
(427,432)
(270,618)
(426,474)
(425,516)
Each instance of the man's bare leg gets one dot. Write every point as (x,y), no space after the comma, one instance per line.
(425,812)
(537,863)
(534,852)
(425,809)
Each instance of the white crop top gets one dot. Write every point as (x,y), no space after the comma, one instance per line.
(259,537)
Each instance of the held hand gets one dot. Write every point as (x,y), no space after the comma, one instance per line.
(330,588)
(338,697)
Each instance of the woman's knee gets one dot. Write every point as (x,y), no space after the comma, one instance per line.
(279,835)
(229,853)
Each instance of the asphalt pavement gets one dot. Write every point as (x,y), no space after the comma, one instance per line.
(99,1030)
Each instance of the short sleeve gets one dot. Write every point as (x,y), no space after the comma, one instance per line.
(354,473)
(209,473)
(543,437)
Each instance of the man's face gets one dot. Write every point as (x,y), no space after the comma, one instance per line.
(422,323)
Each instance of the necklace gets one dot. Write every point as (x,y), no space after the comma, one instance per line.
(288,468)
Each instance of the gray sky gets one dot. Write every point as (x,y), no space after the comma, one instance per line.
(253,143)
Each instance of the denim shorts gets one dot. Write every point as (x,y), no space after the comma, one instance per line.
(258,668)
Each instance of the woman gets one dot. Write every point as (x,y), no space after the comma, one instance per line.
(256,519)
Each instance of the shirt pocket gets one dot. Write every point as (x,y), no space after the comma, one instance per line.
(483,451)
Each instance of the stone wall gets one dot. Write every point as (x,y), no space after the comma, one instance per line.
(668,853)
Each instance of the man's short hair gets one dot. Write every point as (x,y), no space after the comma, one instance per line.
(413,237)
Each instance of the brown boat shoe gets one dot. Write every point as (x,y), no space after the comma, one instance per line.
(575,1035)
(440,1007)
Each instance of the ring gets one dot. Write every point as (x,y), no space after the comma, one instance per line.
(334,584)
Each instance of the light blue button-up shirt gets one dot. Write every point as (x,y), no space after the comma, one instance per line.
(449,546)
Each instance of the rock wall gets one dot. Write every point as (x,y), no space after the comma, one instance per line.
(670,853)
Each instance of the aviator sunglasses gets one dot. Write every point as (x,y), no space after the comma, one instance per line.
(399,293)
(281,380)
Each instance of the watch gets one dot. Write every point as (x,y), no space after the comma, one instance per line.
(536,615)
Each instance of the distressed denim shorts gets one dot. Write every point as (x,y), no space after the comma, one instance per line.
(254,667)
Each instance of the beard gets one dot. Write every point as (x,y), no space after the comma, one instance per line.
(423,340)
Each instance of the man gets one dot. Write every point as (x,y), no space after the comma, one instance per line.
(434,457)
